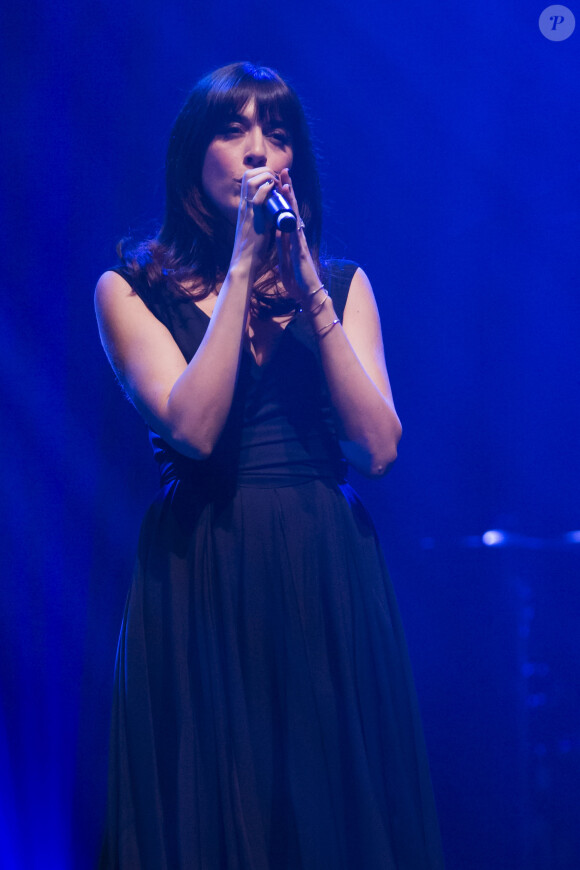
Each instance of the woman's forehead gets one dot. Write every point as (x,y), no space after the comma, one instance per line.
(257,110)
(249,109)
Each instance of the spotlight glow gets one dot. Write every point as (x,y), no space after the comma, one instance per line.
(493,538)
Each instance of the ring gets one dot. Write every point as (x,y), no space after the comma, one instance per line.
(301,224)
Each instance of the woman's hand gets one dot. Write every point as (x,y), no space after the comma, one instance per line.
(297,269)
(252,231)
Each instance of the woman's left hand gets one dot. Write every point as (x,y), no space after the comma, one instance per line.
(297,269)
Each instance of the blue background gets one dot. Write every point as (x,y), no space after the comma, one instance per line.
(448,136)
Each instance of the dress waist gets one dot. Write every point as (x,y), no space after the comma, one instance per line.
(273,462)
(210,477)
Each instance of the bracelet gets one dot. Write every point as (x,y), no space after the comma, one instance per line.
(311,295)
(319,306)
(320,333)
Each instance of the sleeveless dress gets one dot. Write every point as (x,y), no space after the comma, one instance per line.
(264,715)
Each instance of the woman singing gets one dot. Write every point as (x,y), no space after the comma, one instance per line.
(264,714)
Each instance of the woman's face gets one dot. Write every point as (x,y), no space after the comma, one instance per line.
(242,144)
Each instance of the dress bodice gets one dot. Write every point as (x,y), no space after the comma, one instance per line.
(280,429)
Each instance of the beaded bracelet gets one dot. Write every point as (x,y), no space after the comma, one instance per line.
(320,333)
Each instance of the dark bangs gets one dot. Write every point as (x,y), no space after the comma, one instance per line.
(231,88)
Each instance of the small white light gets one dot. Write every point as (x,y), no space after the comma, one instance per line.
(572,537)
(493,537)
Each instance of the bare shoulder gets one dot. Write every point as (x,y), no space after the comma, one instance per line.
(120,309)
(122,316)
(111,290)
(361,297)
(362,326)
(140,348)
(361,315)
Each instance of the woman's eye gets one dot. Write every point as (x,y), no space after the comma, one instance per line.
(279,136)
(231,130)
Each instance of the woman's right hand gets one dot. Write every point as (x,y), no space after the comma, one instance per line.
(252,229)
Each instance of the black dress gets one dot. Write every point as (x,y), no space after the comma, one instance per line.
(264,714)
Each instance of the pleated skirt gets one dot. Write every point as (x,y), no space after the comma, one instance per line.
(264,714)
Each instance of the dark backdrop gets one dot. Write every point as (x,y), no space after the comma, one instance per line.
(449,143)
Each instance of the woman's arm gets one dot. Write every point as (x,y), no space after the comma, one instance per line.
(187,404)
(354,365)
(352,356)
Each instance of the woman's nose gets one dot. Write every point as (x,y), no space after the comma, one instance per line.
(255,148)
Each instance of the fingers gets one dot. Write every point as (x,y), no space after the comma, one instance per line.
(257,184)
(288,191)
(285,259)
(255,187)
(262,192)
(298,236)
(297,266)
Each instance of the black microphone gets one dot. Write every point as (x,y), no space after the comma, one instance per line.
(280,210)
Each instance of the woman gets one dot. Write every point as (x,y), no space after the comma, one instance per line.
(264,713)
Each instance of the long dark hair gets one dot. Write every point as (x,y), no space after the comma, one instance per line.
(189,249)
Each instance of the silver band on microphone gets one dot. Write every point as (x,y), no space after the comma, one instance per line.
(278,208)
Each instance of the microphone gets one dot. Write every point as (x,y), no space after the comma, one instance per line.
(279,209)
